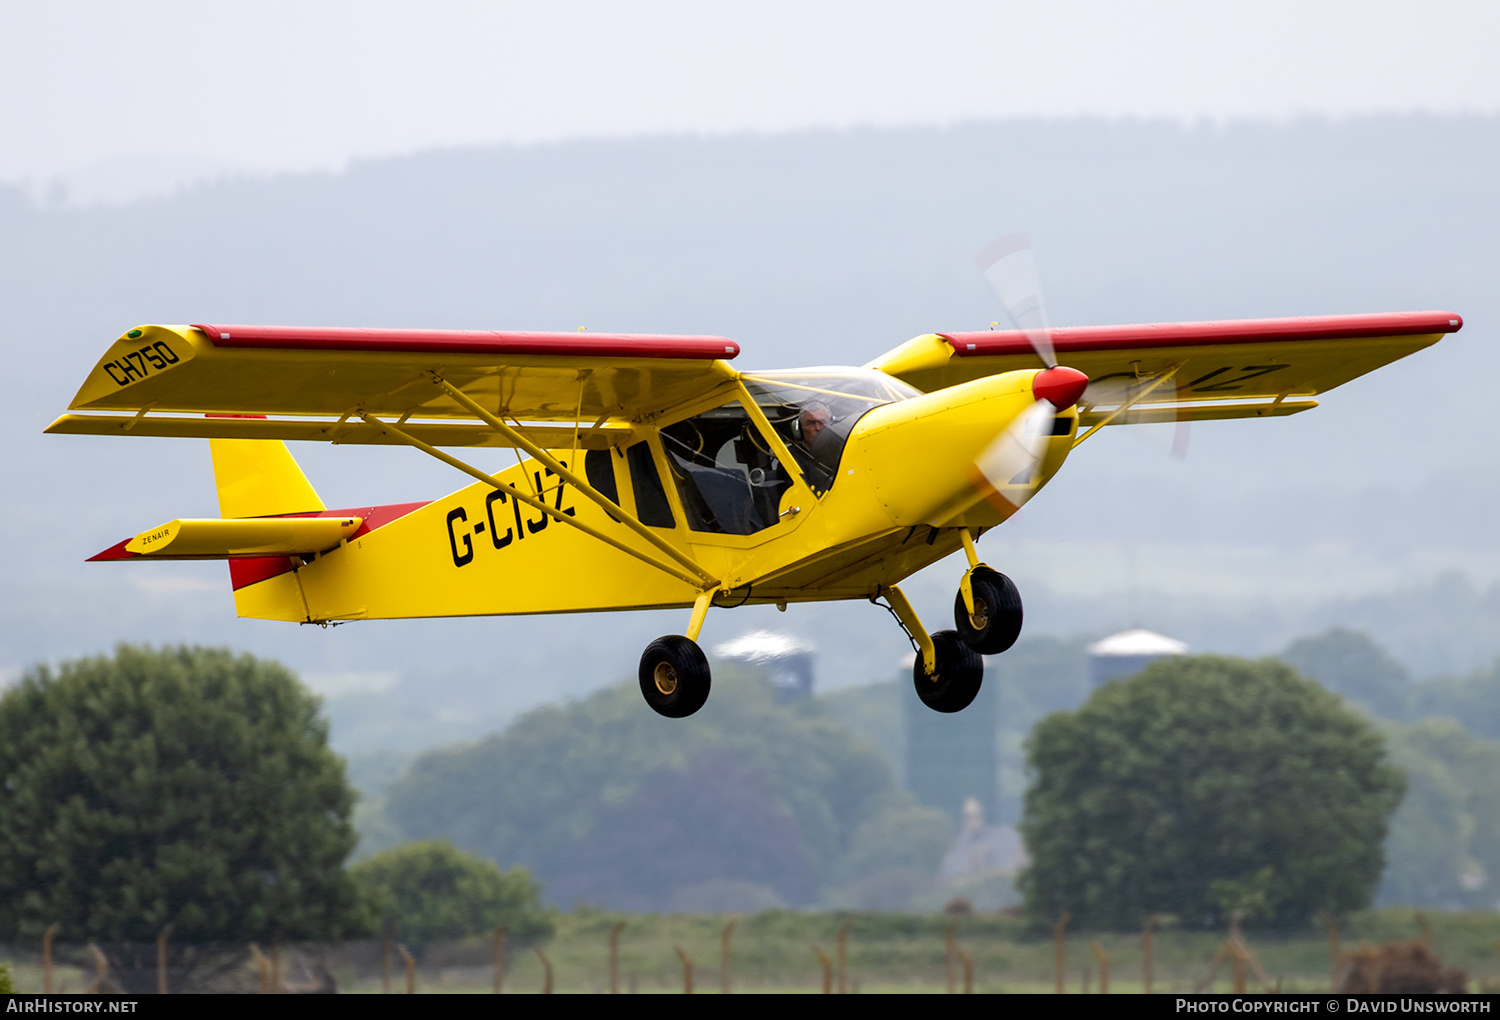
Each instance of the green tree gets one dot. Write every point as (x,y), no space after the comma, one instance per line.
(431,890)
(1444,846)
(893,857)
(186,786)
(1473,699)
(902,834)
(1350,663)
(551,787)
(1201,786)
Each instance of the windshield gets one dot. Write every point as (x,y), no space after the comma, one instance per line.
(814,409)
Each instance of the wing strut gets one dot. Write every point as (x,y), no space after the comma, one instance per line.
(581,485)
(1155,384)
(540,504)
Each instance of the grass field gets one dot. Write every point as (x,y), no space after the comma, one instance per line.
(773,952)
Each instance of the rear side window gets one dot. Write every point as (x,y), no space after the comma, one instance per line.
(601,473)
(599,468)
(651,505)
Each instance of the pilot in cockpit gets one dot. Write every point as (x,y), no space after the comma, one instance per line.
(817,448)
(811,423)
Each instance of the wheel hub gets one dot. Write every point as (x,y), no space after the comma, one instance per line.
(980,617)
(665,677)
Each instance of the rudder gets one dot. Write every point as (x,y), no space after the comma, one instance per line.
(260,478)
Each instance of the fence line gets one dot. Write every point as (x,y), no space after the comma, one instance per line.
(724,957)
(947,959)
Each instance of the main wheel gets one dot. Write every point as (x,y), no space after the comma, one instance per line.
(996,622)
(960,671)
(674,676)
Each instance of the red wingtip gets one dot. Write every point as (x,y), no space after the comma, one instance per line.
(1060,385)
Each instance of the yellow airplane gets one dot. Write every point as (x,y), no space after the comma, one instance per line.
(650,474)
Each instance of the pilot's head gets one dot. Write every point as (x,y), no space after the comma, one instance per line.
(811,422)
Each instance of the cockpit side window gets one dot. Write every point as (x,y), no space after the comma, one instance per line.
(726,475)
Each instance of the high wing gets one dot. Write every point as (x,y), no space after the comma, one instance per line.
(318,382)
(1183,371)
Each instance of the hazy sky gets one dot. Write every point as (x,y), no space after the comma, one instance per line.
(120,98)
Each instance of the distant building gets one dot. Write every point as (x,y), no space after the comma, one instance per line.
(788,660)
(1127,653)
(951,758)
(983,849)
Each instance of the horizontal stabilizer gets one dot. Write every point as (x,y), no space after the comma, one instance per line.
(215,539)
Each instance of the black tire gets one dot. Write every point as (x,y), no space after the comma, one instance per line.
(960,671)
(674,676)
(997,613)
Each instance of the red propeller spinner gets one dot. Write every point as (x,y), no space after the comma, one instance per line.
(1060,385)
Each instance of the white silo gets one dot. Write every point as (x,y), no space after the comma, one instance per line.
(1127,653)
(788,660)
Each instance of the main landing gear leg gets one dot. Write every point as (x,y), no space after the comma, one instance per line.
(947,673)
(674,672)
(987,610)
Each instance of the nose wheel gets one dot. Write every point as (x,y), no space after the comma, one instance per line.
(946,673)
(674,676)
(956,681)
(995,622)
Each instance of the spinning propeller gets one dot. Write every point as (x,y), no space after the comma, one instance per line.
(1010,463)
(1010,267)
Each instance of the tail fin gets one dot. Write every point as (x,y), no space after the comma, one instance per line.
(259,478)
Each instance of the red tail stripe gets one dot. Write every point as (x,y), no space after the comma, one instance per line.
(254,569)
